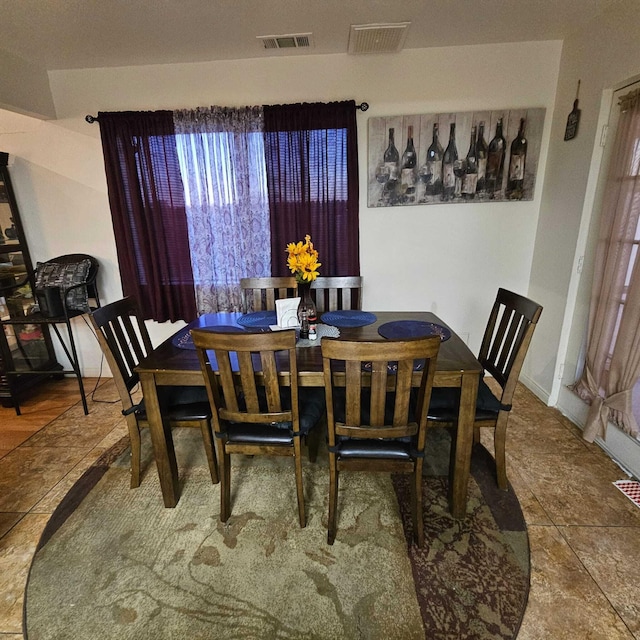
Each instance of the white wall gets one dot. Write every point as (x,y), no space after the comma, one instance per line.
(24,87)
(446,258)
(603,55)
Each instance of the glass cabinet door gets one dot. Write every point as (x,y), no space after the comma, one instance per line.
(23,347)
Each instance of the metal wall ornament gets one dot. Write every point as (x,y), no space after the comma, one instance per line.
(573,119)
(452,158)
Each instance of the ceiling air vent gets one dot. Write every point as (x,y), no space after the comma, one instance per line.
(377,38)
(287,41)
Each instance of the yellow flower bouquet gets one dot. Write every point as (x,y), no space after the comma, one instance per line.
(303,260)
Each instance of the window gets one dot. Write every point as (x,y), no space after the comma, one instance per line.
(249,187)
(612,365)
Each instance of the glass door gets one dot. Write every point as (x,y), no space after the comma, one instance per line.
(24,348)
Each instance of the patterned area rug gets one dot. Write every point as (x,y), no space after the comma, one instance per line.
(114,563)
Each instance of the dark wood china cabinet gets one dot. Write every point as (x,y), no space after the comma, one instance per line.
(25,348)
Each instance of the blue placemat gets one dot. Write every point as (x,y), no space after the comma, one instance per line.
(183,339)
(262,319)
(413,329)
(348,318)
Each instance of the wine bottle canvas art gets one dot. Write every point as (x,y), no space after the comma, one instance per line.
(444,158)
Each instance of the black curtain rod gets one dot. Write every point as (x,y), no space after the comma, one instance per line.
(363,106)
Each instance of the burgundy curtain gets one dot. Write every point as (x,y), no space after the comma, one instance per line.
(147,203)
(311,155)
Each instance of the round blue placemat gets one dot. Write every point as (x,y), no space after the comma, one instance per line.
(183,339)
(261,319)
(348,318)
(413,329)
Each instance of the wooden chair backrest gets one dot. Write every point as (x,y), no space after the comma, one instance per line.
(242,378)
(335,293)
(506,339)
(260,294)
(382,367)
(124,340)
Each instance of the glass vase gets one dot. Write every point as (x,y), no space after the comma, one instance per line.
(307,315)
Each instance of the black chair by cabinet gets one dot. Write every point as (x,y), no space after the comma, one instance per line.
(63,288)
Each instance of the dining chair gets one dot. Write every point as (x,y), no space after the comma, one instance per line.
(260,294)
(506,340)
(377,412)
(336,293)
(255,410)
(124,340)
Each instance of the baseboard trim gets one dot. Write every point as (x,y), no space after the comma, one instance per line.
(535,388)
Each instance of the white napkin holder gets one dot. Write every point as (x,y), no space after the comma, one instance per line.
(286,314)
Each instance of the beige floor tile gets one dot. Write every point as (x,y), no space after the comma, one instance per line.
(7,521)
(578,490)
(53,497)
(525,434)
(28,473)
(611,557)
(565,603)
(16,552)
(532,510)
(65,431)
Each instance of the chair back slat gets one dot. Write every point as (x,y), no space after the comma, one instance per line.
(242,376)
(507,337)
(381,368)
(260,294)
(124,340)
(337,293)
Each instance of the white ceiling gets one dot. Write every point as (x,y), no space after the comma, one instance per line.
(68,34)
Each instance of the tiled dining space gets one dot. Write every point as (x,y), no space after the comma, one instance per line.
(584,534)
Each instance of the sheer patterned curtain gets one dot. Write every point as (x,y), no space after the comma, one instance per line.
(148,212)
(312,172)
(221,154)
(613,348)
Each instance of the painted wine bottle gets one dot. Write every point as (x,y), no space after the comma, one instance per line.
(470,178)
(517,160)
(495,161)
(449,159)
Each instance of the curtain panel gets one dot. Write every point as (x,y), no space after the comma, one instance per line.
(311,153)
(146,197)
(221,154)
(612,362)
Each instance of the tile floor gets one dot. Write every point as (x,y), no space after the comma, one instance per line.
(584,534)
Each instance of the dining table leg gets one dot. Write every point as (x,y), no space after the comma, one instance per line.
(162,441)
(461,454)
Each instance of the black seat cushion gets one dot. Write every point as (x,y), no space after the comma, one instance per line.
(394,448)
(182,403)
(445,403)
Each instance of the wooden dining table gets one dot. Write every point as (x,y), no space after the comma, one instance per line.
(173,363)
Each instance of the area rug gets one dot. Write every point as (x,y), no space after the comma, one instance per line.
(113,563)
